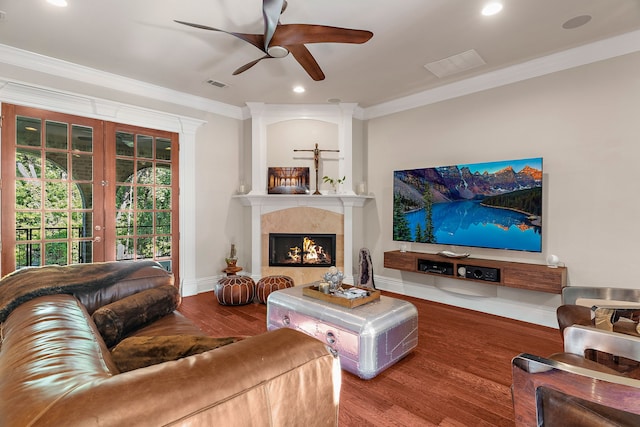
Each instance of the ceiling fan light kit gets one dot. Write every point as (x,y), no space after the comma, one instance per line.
(279,40)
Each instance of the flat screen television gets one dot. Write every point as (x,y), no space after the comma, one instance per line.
(494,205)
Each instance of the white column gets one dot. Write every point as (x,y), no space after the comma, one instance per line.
(345,145)
(188,206)
(256,239)
(258,148)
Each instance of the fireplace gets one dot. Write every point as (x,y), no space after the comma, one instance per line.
(302,250)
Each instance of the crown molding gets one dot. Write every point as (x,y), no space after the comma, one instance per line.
(69,103)
(68,70)
(583,55)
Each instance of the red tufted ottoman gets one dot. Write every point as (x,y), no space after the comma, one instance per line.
(235,290)
(268,284)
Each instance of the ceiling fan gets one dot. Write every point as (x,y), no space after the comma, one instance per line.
(279,39)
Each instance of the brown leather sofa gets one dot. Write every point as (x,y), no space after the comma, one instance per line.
(55,369)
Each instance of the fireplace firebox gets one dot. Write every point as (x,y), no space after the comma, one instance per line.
(302,250)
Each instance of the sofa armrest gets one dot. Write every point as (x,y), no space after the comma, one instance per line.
(579,339)
(574,389)
(281,377)
(597,395)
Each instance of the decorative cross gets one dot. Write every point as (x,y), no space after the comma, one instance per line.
(316,161)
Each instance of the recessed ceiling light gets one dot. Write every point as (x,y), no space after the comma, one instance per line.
(298,89)
(59,3)
(492,8)
(576,22)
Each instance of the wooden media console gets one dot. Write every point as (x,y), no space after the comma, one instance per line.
(532,277)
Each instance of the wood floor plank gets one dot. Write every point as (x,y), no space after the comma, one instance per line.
(459,375)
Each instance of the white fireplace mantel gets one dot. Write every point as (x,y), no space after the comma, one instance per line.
(263,204)
(285,201)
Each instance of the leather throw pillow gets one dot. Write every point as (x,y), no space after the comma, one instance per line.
(116,320)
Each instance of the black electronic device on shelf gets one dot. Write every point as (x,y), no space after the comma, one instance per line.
(487,274)
(436,267)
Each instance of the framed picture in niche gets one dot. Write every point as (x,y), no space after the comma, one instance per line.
(288,180)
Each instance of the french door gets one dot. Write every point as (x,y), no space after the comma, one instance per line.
(80,190)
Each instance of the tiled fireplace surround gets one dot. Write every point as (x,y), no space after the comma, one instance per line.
(325,214)
(301,220)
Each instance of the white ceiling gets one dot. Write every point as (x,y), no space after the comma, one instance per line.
(138,39)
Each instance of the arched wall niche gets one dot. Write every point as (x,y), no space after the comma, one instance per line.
(302,134)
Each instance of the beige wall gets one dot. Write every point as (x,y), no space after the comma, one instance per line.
(218,217)
(584,122)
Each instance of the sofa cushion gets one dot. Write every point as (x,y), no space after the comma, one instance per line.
(116,320)
(139,352)
(172,324)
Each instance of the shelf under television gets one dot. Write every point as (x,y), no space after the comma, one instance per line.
(533,277)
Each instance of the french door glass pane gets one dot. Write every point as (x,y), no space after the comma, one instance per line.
(124,170)
(163,149)
(28,163)
(145,146)
(28,194)
(81,251)
(28,131)
(124,144)
(82,137)
(55,253)
(56,135)
(82,167)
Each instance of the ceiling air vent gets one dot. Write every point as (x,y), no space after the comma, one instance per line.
(455,64)
(216,83)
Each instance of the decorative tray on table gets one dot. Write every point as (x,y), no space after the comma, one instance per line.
(367,296)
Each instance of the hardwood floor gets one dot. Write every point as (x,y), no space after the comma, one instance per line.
(459,375)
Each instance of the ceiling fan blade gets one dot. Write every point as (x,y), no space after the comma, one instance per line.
(271,10)
(249,65)
(255,39)
(308,62)
(289,34)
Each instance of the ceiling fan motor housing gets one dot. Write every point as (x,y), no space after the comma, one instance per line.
(278,51)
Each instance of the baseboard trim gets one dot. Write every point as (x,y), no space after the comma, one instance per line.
(512,309)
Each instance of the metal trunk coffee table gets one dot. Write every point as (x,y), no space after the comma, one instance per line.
(368,338)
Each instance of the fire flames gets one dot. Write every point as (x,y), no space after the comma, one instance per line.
(311,253)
